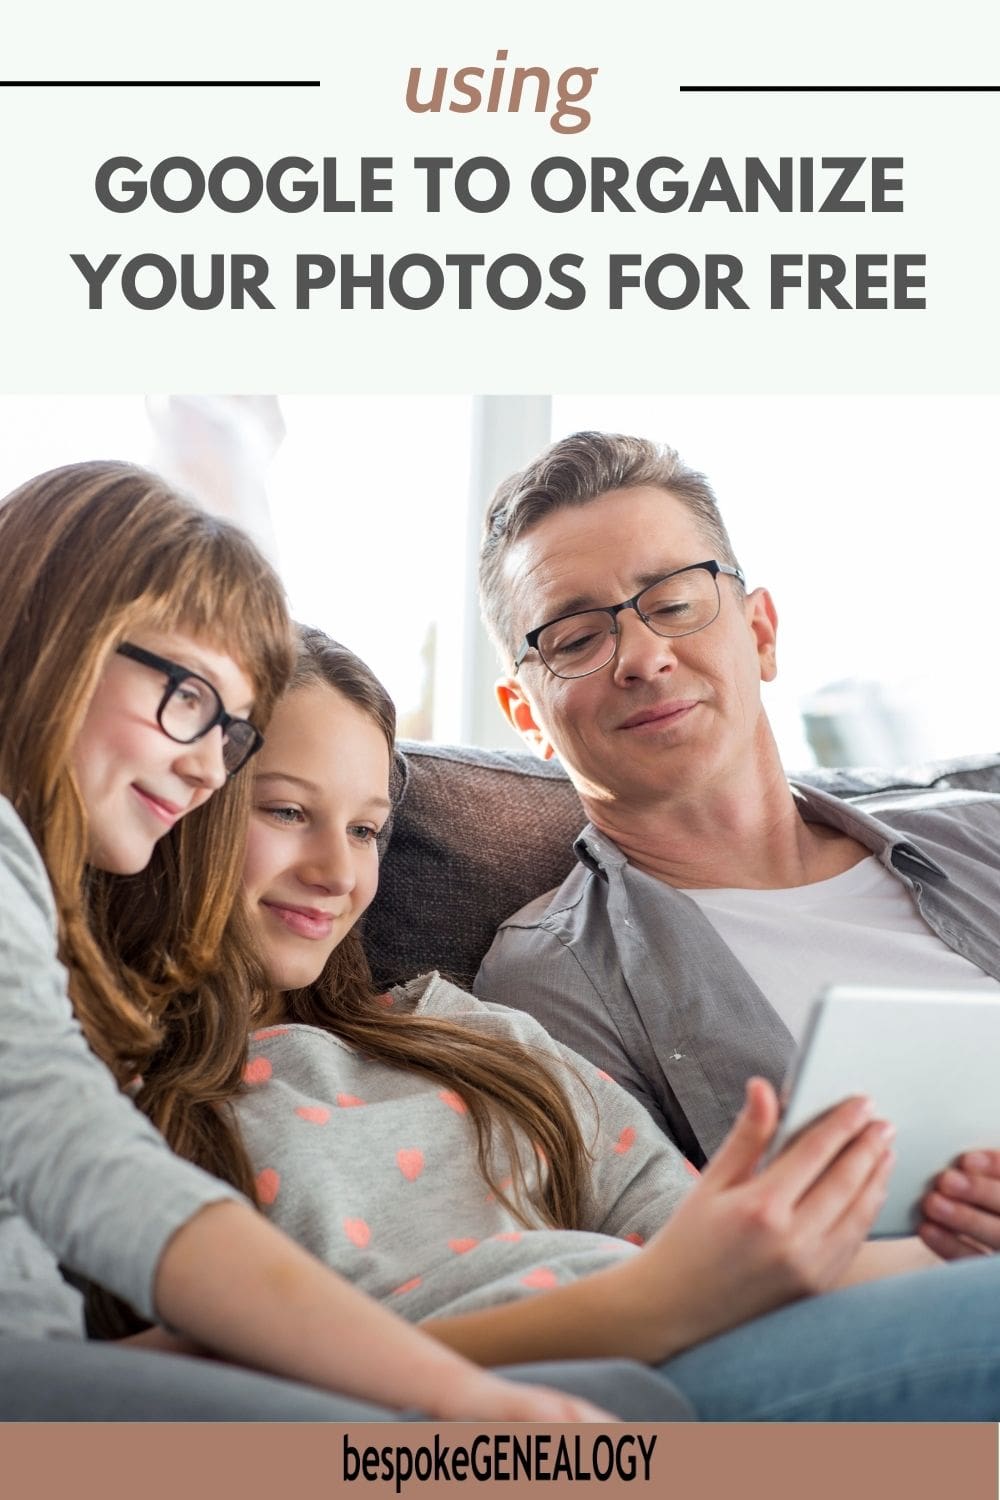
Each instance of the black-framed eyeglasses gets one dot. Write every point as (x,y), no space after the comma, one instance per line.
(191,707)
(584,641)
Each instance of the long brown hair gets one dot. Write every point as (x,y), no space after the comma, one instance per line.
(505,1087)
(159,969)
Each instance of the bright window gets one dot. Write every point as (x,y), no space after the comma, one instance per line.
(875,523)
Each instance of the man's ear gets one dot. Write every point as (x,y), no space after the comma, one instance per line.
(521,717)
(763,619)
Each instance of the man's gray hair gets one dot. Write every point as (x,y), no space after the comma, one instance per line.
(574,471)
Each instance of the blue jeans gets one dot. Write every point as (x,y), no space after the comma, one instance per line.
(917,1348)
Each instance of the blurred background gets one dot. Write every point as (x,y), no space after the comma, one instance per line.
(874,521)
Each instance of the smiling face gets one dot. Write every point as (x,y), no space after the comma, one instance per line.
(321,796)
(668,715)
(135,781)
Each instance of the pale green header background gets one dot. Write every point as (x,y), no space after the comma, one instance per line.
(53,140)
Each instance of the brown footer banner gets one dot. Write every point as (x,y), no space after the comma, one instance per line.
(154,1461)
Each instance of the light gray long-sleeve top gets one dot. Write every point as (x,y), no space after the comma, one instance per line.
(84,1177)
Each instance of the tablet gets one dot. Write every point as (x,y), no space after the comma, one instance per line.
(930,1061)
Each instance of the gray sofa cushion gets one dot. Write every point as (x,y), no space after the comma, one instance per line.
(477,833)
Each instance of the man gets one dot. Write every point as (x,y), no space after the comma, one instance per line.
(712,899)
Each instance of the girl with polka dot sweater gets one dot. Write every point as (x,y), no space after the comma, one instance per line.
(375,1169)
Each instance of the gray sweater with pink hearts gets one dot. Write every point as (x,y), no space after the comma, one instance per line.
(375,1169)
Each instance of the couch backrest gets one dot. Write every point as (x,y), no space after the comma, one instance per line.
(477,833)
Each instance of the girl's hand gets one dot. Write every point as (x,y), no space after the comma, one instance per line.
(484,1397)
(746,1240)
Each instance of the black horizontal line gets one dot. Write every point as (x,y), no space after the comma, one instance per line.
(159,83)
(839,88)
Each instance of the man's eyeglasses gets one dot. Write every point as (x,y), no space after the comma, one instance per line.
(680,603)
(191,707)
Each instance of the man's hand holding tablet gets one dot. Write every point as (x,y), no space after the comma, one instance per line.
(962,1210)
(929,1061)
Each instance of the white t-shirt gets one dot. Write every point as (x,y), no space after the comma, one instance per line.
(860,927)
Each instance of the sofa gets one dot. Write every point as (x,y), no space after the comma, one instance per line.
(475,834)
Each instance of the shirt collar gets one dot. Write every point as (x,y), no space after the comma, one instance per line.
(601,855)
(816,806)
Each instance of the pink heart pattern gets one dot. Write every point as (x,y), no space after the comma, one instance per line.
(268,1183)
(358,1232)
(349,1101)
(461,1247)
(541,1279)
(408,1286)
(625,1141)
(410,1161)
(316,1114)
(454,1101)
(258,1070)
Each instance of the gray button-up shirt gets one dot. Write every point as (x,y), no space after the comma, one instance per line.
(628,971)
